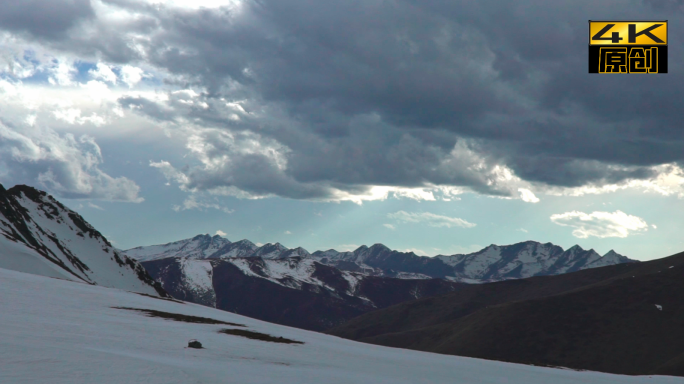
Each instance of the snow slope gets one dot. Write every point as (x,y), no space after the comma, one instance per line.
(291,272)
(197,277)
(64,332)
(40,235)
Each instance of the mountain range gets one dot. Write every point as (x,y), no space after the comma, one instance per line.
(492,263)
(324,289)
(42,236)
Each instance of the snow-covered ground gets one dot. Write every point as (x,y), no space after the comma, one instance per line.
(56,331)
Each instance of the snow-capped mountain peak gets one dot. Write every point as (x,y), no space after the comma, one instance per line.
(198,247)
(42,236)
(296,252)
(270,251)
(242,248)
(610,258)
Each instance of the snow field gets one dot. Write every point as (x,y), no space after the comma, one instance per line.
(56,331)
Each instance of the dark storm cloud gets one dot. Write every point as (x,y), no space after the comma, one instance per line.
(378,92)
(258,176)
(48,19)
(412,66)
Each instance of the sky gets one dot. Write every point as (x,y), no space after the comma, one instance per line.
(431,126)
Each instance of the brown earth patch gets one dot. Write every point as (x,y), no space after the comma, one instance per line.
(180,317)
(258,336)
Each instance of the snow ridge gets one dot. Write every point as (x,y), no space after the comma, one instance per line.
(42,236)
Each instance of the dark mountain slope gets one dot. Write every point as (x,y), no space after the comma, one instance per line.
(603,319)
(295,291)
(309,307)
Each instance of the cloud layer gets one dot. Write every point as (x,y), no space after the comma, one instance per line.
(359,100)
(601,224)
(65,164)
(429,219)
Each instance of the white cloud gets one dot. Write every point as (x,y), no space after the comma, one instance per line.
(94,206)
(97,91)
(390,226)
(64,164)
(430,219)
(523,230)
(170,172)
(62,73)
(527,196)
(287,232)
(668,181)
(195,202)
(31,120)
(73,116)
(103,72)
(381,193)
(65,99)
(196,4)
(417,251)
(346,247)
(131,75)
(221,233)
(600,224)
